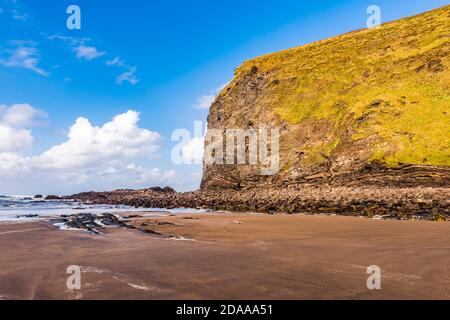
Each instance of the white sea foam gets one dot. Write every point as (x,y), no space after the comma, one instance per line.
(137,287)
(22,208)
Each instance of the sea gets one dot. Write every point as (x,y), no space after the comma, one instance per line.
(20,208)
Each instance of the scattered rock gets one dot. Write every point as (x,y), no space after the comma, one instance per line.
(28,216)
(89,222)
(133,216)
(150,231)
(165,223)
(53,197)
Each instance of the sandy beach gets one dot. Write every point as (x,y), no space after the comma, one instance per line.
(229,256)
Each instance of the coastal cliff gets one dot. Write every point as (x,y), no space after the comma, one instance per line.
(370,107)
(364,127)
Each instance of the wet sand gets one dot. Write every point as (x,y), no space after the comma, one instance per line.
(229,256)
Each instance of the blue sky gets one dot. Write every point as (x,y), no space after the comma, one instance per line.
(162,59)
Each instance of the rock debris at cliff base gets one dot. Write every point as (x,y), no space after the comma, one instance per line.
(422,203)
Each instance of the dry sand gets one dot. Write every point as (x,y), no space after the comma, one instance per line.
(228,256)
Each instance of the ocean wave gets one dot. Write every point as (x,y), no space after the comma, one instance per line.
(21,208)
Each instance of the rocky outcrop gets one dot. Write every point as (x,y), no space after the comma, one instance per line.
(89,222)
(370,107)
(398,203)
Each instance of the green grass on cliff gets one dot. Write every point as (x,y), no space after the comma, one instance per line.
(391,84)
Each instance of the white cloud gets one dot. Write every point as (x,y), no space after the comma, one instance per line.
(19,15)
(90,146)
(128,76)
(21,115)
(15,10)
(22,54)
(141,175)
(193,151)
(117,61)
(88,53)
(91,155)
(72,41)
(11,164)
(205,101)
(13,139)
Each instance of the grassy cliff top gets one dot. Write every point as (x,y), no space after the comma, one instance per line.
(393,82)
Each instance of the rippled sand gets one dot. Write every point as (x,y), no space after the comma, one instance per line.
(227,256)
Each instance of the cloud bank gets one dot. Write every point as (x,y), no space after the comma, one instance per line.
(90,155)
(15,121)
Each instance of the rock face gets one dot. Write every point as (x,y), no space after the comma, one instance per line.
(371,107)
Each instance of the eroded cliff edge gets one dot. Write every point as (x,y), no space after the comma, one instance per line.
(371,107)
